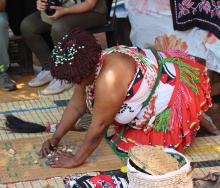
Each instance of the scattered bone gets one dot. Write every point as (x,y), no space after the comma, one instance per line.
(11,152)
(49,155)
(69,150)
(35,162)
(110,131)
(64,149)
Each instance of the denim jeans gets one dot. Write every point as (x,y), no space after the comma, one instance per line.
(4,37)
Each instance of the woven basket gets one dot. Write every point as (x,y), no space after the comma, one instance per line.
(180,178)
(153,160)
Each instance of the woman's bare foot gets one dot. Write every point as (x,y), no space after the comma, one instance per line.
(215,88)
(208,125)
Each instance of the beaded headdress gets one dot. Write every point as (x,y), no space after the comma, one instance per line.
(75,57)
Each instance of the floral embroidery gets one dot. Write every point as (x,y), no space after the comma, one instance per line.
(149,6)
(204,14)
(148,74)
(184,7)
(165,42)
(217,10)
(210,38)
(208,6)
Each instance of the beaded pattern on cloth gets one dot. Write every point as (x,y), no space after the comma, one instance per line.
(177,125)
(143,63)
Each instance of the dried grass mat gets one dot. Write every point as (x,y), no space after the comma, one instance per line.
(205,154)
(25,164)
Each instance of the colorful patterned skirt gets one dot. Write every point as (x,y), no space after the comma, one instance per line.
(191,97)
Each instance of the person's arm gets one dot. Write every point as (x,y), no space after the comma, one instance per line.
(110,92)
(74,110)
(2,5)
(85,6)
(41,5)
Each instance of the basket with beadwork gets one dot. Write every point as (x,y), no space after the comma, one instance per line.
(151,167)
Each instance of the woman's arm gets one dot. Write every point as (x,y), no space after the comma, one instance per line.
(110,92)
(2,5)
(109,98)
(74,110)
(85,6)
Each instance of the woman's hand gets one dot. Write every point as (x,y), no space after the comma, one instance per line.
(59,12)
(63,160)
(48,146)
(41,5)
(73,111)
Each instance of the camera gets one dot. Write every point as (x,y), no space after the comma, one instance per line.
(50,3)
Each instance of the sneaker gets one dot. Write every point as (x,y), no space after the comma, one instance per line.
(6,83)
(56,86)
(42,78)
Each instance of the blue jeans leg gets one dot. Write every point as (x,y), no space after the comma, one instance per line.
(4,37)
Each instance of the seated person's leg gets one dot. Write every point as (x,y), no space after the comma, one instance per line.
(33,29)
(66,23)
(59,29)
(5,82)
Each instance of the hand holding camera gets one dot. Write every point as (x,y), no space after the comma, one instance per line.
(41,5)
(50,3)
(45,5)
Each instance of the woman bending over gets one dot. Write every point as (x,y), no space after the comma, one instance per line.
(151,98)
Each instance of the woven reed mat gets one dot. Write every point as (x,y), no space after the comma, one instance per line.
(205,154)
(24,92)
(25,163)
(46,109)
(205,151)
